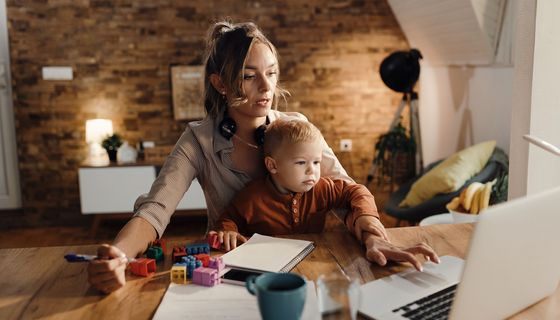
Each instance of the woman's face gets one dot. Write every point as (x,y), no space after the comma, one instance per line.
(259,81)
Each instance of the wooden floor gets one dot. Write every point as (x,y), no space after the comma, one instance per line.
(179,228)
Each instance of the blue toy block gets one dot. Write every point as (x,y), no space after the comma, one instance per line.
(191,263)
(197,248)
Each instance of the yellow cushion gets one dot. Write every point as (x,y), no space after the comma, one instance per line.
(451,174)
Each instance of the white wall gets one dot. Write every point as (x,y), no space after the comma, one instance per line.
(543,170)
(461,106)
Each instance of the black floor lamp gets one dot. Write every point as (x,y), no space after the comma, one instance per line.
(400,71)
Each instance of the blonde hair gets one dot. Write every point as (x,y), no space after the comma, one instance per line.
(289,131)
(227,46)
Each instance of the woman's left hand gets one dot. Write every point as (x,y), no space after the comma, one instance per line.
(380,250)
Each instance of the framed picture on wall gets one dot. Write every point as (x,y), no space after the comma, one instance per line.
(187,86)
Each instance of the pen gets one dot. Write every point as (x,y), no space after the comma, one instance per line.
(74,257)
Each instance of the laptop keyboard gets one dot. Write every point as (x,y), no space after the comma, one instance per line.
(434,306)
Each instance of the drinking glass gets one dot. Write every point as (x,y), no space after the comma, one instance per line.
(338,296)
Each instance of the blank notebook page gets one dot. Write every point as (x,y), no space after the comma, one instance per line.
(268,254)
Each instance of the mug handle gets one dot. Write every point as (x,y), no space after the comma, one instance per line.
(250,284)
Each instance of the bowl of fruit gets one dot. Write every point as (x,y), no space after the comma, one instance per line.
(472,201)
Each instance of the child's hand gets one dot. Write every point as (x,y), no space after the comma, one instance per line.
(229,239)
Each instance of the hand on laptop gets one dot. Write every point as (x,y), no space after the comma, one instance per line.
(380,251)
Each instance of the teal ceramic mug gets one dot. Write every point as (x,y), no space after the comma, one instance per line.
(280,295)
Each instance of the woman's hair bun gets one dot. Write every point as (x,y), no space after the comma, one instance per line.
(220,28)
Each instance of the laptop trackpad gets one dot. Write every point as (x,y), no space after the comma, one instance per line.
(384,294)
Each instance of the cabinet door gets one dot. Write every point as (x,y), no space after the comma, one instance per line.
(113,189)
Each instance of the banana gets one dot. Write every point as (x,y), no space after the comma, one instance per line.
(462,196)
(453,204)
(485,198)
(469,195)
(475,201)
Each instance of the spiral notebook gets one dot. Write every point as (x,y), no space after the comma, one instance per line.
(264,253)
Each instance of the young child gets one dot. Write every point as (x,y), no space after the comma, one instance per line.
(293,198)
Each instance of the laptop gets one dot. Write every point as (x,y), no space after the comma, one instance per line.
(512,262)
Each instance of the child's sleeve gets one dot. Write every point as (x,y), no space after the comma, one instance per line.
(231,220)
(355,197)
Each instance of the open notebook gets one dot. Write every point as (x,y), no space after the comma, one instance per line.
(264,253)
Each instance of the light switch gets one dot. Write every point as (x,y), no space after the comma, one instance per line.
(57,73)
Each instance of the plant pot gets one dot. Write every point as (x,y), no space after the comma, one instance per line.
(112,155)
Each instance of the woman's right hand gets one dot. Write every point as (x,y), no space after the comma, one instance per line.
(107,273)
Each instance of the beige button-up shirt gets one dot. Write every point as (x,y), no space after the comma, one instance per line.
(203,153)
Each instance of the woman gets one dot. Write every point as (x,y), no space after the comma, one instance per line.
(223,153)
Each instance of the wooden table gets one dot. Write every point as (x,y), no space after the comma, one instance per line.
(39,283)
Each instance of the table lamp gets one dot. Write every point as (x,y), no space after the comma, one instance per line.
(96,131)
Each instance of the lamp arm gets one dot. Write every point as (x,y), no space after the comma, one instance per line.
(542,144)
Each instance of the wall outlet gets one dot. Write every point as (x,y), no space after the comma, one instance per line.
(345,145)
(57,73)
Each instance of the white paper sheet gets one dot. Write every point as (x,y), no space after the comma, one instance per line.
(224,301)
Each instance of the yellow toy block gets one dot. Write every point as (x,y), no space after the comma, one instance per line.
(178,274)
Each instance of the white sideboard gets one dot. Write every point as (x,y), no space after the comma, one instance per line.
(113,189)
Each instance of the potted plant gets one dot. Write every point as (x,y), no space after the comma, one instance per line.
(111,144)
(394,156)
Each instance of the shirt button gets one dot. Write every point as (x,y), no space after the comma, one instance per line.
(296,220)
(294,210)
(294,201)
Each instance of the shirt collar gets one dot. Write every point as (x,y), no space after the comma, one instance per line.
(277,194)
(220,142)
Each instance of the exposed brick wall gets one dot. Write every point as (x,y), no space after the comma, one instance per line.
(120,52)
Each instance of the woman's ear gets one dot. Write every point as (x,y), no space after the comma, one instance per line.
(270,165)
(217,83)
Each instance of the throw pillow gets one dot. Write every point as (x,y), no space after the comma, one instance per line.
(451,174)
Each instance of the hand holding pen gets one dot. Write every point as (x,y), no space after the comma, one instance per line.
(106,270)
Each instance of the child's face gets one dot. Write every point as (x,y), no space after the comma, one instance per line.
(297,166)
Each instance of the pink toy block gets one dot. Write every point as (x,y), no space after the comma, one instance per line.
(206,277)
(204,258)
(217,263)
(213,241)
(143,267)
(178,274)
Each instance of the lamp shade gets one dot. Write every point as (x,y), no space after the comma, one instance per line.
(98,129)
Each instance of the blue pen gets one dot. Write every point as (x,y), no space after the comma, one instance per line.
(74,257)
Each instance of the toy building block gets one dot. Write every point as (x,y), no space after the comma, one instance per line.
(143,267)
(196,248)
(160,243)
(217,263)
(178,274)
(155,253)
(179,253)
(213,241)
(206,277)
(192,263)
(204,257)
